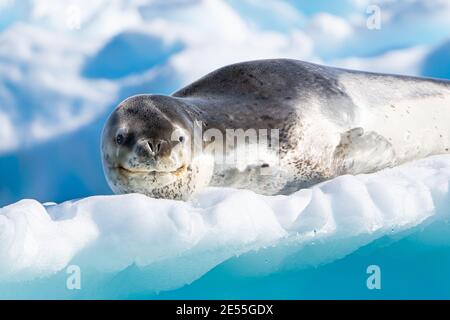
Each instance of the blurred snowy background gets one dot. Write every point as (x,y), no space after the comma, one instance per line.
(64,65)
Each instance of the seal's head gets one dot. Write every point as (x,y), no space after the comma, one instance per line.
(147,148)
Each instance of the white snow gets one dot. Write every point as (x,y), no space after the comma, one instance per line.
(177,242)
(403,61)
(41,92)
(332,28)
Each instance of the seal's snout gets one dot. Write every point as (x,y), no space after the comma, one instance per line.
(159,147)
(154,148)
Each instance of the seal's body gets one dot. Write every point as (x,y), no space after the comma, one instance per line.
(331,122)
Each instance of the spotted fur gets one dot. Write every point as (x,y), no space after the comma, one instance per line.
(331,121)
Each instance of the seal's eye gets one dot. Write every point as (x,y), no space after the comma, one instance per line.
(181,139)
(120,139)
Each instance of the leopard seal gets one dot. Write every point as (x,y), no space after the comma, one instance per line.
(330,122)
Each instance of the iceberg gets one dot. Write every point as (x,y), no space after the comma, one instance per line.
(141,244)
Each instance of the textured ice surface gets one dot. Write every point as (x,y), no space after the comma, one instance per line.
(58,83)
(161,245)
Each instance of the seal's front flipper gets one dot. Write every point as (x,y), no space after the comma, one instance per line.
(363,152)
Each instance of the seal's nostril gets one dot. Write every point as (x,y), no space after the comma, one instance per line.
(154,147)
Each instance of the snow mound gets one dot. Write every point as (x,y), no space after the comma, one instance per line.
(170,243)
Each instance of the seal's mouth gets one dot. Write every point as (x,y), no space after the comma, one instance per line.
(176,172)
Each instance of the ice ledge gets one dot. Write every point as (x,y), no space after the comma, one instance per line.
(109,233)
